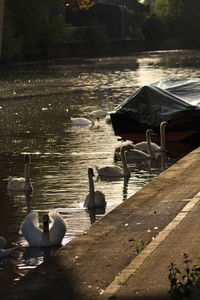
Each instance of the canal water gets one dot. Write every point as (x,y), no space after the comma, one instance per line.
(36,103)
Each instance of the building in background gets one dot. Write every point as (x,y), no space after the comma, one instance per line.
(117,17)
(109,27)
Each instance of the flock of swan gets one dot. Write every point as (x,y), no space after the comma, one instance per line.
(146,149)
(54,226)
(127,152)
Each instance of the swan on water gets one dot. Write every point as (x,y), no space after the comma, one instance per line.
(21,183)
(129,145)
(135,154)
(90,121)
(99,113)
(115,171)
(155,148)
(48,236)
(3,251)
(95,199)
(102,113)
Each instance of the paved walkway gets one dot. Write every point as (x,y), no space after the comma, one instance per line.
(146,277)
(103,263)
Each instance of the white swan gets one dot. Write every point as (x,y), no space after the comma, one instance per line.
(90,121)
(50,235)
(99,113)
(5,252)
(129,145)
(136,154)
(22,183)
(115,171)
(155,148)
(95,199)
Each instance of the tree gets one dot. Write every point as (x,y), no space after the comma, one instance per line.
(11,44)
(80,4)
(182,17)
(34,26)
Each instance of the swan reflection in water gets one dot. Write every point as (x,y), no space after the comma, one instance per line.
(33,256)
(21,197)
(95,213)
(125,188)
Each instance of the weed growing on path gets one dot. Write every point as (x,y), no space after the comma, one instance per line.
(182,283)
(139,246)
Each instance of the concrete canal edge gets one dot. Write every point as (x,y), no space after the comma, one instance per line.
(90,266)
(129,271)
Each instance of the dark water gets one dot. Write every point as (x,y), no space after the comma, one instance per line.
(36,102)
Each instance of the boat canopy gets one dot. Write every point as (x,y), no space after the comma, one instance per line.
(165,100)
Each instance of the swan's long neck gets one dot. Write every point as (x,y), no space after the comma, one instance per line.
(28,186)
(162,137)
(109,104)
(45,236)
(27,172)
(93,119)
(91,203)
(149,147)
(124,162)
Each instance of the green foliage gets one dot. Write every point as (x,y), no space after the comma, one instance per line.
(161,8)
(11,44)
(32,27)
(154,31)
(181,17)
(181,284)
(139,246)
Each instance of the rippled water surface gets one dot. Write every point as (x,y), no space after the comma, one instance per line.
(36,102)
